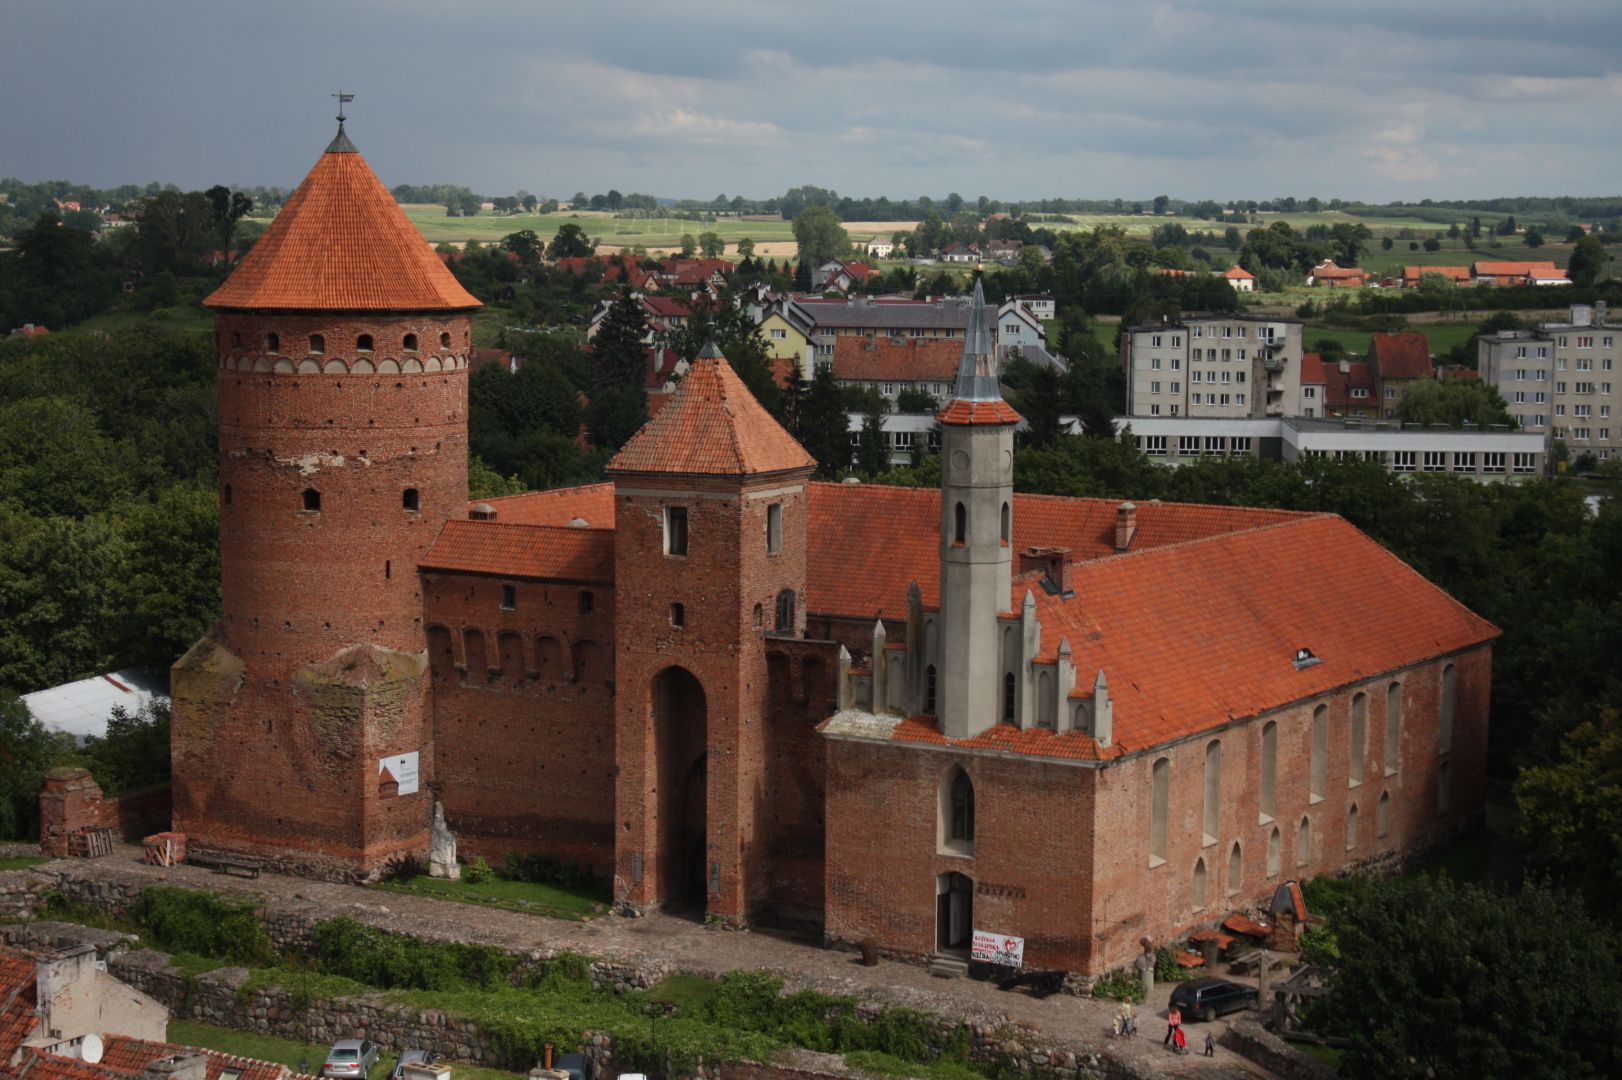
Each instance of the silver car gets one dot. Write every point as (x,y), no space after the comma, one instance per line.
(350,1059)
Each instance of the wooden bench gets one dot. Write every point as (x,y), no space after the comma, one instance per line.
(224,864)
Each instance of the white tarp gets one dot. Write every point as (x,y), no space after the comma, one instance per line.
(82,708)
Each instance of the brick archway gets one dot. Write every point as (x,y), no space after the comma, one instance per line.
(681,732)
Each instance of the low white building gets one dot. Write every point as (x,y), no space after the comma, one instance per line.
(880,249)
(1487,456)
(81,709)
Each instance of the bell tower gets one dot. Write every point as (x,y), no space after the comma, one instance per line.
(300,723)
(977,505)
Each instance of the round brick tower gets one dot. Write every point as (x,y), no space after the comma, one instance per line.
(301,722)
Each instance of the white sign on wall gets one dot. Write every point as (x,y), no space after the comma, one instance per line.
(992,948)
(403,767)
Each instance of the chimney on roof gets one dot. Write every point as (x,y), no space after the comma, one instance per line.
(1599,312)
(482,512)
(1126,525)
(1055,563)
(192,1065)
(1103,711)
(1345,366)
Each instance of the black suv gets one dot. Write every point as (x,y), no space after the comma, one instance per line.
(1209,998)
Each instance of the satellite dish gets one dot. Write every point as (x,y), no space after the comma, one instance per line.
(91,1049)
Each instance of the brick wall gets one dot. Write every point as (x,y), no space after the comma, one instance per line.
(1029,857)
(523,715)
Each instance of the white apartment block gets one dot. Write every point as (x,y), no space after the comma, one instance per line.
(1561,380)
(1217,366)
(1485,456)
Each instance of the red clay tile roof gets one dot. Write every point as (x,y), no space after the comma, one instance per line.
(592,503)
(17,1020)
(1518,269)
(506,549)
(1314,372)
(1238,273)
(1328,271)
(38,1065)
(712,426)
(341,242)
(1400,356)
(667,307)
(978,412)
(896,359)
(124,1055)
(846,517)
(1007,739)
(1411,275)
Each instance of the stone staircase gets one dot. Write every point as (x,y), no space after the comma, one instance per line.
(945,966)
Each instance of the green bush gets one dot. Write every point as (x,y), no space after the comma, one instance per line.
(1119,986)
(203,924)
(1167,969)
(393,961)
(477,872)
(543,869)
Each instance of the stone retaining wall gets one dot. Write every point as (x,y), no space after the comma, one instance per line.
(1250,1040)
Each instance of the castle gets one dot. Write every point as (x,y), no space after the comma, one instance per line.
(886,715)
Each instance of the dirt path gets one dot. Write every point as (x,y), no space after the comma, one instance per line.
(691,947)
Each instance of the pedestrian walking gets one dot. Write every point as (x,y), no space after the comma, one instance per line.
(1210,1045)
(1174,1025)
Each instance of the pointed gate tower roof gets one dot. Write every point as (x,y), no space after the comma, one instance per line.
(712,426)
(342,243)
(977,397)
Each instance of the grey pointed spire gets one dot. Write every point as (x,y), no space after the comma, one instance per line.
(977,370)
(711,351)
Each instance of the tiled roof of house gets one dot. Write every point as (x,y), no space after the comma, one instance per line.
(1313,370)
(38,1065)
(879,315)
(1543,268)
(1411,275)
(1359,375)
(667,307)
(978,412)
(18,971)
(901,359)
(341,242)
(1405,355)
(122,1052)
(1329,271)
(510,549)
(712,426)
(1238,273)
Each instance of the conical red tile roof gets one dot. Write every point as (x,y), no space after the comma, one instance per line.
(712,426)
(341,243)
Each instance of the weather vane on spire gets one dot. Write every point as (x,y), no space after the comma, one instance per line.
(343,99)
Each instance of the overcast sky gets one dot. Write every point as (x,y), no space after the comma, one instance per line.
(1373,99)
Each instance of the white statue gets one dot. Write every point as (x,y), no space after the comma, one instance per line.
(442,848)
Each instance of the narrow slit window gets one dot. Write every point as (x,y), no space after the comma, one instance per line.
(509,598)
(312,501)
(273,343)
(409,500)
(227,494)
(318,344)
(960,524)
(678,615)
(588,602)
(774,528)
(675,530)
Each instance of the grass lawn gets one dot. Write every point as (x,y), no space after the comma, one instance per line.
(22,862)
(554,901)
(186,317)
(684,991)
(290,1052)
(1442,336)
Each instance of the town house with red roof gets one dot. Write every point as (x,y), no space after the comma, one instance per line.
(873,714)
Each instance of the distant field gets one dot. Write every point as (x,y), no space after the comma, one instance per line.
(1441,336)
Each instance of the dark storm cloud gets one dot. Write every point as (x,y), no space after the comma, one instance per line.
(1249,98)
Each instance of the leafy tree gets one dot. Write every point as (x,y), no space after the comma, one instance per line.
(619,347)
(1433,244)
(746,248)
(571,242)
(134,750)
(802,276)
(1571,813)
(615,413)
(1385,243)
(824,428)
(167,593)
(820,235)
(689,245)
(872,449)
(913,400)
(728,324)
(711,245)
(483,482)
(229,208)
(29,752)
(1435,980)
(1588,263)
(1040,402)
(173,230)
(1162,203)
(1533,238)
(529,248)
(1453,402)
(56,576)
